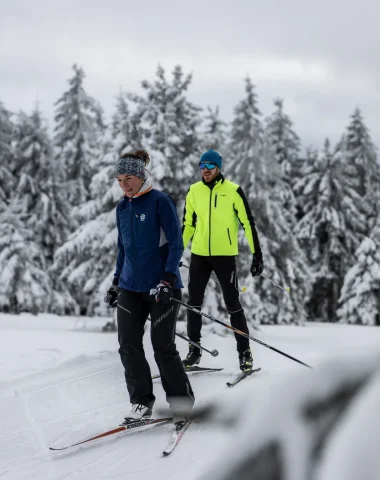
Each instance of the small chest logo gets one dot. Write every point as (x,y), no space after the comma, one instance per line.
(142,217)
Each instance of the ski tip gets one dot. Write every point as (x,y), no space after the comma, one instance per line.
(241,376)
(229,384)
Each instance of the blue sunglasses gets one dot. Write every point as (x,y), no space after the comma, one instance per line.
(209,166)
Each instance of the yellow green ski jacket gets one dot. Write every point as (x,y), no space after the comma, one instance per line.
(211,219)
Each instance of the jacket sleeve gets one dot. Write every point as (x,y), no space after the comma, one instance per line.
(120,246)
(247,221)
(189,220)
(169,222)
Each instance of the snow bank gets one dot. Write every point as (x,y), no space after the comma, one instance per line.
(320,424)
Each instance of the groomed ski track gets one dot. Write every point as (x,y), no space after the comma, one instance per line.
(83,394)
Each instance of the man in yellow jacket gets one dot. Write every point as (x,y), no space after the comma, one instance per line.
(213,210)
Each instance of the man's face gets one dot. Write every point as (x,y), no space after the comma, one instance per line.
(209,171)
(130,184)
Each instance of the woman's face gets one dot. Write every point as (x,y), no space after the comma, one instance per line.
(130,184)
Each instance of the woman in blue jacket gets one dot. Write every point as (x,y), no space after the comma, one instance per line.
(150,247)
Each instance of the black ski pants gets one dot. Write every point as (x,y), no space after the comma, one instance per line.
(130,333)
(199,274)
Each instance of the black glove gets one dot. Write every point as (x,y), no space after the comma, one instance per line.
(165,288)
(257,266)
(112,294)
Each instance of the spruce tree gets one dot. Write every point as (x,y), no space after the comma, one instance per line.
(284,144)
(25,285)
(86,262)
(330,230)
(6,177)
(39,196)
(360,295)
(359,155)
(169,125)
(359,301)
(252,166)
(78,130)
(214,131)
(35,221)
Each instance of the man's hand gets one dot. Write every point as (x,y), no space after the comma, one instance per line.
(257,266)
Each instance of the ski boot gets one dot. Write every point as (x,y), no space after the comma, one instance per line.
(193,357)
(246,360)
(138,412)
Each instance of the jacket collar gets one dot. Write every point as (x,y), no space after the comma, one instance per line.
(146,187)
(217,179)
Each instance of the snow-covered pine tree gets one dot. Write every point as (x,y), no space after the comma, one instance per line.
(253,167)
(214,131)
(169,124)
(32,223)
(38,197)
(330,230)
(246,134)
(86,262)
(360,295)
(302,166)
(361,170)
(359,155)
(284,144)
(6,177)
(24,283)
(78,131)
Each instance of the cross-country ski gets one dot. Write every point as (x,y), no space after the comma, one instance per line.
(242,376)
(135,426)
(194,370)
(180,429)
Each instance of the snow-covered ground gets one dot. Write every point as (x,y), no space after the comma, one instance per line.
(61,380)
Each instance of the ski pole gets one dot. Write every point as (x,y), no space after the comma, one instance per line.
(199,312)
(214,353)
(286,289)
(242,290)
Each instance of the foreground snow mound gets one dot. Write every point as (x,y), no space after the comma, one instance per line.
(319,424)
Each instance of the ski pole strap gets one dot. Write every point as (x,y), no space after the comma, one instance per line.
(230,327)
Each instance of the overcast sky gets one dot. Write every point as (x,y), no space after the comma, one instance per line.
(321,57)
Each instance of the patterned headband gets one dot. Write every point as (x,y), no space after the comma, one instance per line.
(131,166)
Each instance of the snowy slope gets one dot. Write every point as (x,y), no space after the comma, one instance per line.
(61,380)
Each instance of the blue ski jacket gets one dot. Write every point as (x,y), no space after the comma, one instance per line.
(149,241)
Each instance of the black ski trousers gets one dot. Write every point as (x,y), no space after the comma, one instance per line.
(130,333)
(199,274)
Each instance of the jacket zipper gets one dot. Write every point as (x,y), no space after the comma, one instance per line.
(216,197)
(132,217)
(229,236)
(209,224)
